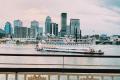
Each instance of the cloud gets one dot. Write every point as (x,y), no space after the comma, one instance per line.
(112,5)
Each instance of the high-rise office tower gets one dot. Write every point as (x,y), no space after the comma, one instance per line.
(8,28)
(40,31)
(23,32)
(63,24)
(34,28)
(17,24)
(28,32)
(75,28)
(54,29)
(47,25)
(68,30)
(2,33)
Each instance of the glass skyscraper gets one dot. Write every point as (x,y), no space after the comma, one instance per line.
(8,28)
(54,29)
(63,24)
(34,28)
(17,24)
(75,27)
(48,25)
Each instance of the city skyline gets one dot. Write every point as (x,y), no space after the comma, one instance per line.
(95,16)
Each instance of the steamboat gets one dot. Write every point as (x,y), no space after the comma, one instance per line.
(68,47)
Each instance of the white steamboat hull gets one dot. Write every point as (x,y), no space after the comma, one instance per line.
(68,48)
(77,51)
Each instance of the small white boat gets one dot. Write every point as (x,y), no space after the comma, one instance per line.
(67,48)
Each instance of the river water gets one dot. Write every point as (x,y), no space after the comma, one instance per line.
(30,49)
(6,61)
(55,62)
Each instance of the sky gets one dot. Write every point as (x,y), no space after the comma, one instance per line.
(96,16)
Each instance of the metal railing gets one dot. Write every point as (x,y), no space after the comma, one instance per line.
(58,76)
(58,73)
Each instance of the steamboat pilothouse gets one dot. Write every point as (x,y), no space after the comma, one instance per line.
(82,46)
